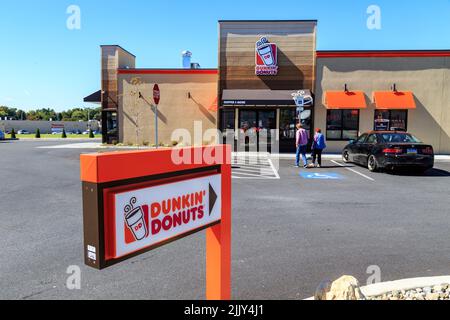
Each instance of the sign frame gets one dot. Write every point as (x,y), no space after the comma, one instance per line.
(105,174)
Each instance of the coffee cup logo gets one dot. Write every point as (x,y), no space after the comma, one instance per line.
(266,58)
(265,51)
(134,218)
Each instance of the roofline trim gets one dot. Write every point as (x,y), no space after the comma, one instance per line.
(382,53)
(168,71)
(307,20)
(115,45)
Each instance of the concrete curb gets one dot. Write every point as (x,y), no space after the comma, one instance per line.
(380,289)
(339,157)
(94,143)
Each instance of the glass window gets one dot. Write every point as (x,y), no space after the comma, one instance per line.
(228,120)
(362,139)
(288,120)
(372,139)
(391,120)
(228,124)
(334,125)
(399,119)
(342,124)
(400,138)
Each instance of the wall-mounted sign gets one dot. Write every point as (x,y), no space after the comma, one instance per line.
(131,209)
(266,58)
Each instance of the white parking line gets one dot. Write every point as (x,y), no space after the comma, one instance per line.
(354,171)
(274,169)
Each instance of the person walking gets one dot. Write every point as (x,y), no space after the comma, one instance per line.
(301,144)
(319,144)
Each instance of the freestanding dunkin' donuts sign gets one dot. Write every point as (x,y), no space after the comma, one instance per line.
(134,202)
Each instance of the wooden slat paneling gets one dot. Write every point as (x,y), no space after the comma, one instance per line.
(296,41)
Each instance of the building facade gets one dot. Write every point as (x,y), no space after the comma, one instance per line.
(408,90)
(263,66)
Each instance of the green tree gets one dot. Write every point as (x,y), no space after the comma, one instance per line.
(21,115)
(79,115)
(32,115)
(3,112)
(64,135)
(38,134)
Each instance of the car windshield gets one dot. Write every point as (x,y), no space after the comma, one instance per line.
(400,138)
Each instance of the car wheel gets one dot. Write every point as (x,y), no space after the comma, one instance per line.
(372,164)
(346,156)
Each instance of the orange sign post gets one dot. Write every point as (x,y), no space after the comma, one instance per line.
(134,202)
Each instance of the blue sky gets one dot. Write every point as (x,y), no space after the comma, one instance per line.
(44,64)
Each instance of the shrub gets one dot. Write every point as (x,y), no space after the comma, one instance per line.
(91,134)
(38,134)
(13,134)
(64,135)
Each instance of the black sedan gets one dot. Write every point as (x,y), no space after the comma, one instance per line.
(389,150)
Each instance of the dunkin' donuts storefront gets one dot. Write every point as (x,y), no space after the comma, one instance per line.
(263,65)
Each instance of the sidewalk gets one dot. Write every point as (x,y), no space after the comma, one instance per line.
(92,144)
(335,156)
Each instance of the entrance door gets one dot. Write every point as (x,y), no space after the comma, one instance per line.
(288,122)
(255,129)
(110,128)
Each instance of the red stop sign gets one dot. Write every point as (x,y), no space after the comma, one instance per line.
(156,94)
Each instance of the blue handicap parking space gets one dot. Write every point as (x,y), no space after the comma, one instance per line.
(321,175)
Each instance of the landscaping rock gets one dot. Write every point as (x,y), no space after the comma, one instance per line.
(432,296)
(345,288)
(322,290)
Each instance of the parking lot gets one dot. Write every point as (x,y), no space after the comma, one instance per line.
(292,229)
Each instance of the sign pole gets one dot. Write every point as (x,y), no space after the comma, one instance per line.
(156,126)
(218,247)
(156,99)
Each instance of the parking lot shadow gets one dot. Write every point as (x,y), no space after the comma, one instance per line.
(429,173)
(337,167)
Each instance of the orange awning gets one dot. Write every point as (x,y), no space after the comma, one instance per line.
(386,100)
(345,100)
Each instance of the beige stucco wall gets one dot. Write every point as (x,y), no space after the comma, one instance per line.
(427,77)
(177,110)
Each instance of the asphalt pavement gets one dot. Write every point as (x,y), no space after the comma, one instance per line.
(291,230)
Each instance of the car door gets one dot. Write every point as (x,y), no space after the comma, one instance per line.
(357,148)
(367,148)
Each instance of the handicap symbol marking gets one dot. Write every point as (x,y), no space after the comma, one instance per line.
(321,176)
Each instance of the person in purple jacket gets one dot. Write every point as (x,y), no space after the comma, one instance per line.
(302,146)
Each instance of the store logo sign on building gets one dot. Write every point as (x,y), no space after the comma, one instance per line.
(153,215)
(266,58)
